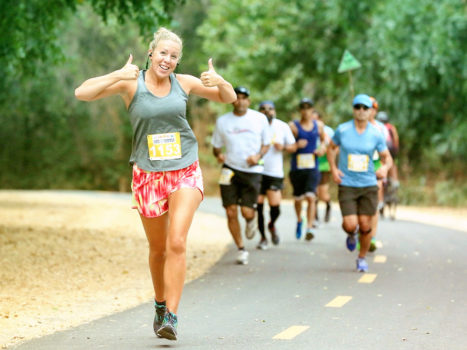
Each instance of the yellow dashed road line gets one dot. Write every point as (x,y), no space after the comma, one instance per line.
(339,301)
(380,259)
(291,332)
(367,278)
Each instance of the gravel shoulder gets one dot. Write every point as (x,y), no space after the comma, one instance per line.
(68,259)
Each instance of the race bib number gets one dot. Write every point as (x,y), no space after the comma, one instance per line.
(306,161)
(358,162)
(164,146)
(226,176)
(274,138)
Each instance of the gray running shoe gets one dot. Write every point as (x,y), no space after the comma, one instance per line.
(263,244)
(274,236)
(168,329)
(251,227)
(159,317)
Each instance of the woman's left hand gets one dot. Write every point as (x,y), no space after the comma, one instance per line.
(210,78)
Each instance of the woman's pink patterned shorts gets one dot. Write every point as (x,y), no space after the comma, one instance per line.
(151,190)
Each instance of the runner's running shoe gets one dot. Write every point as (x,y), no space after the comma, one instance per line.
(159,317)
(373,246)
(309,234)
(362,265)
(251,227)
(351,242)
(298,231)
(263,244)
(168,329)
(274,236)
(242,257)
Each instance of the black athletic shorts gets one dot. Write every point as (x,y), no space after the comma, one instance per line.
(304,181)
(243,189)
(358,200)
(271,183)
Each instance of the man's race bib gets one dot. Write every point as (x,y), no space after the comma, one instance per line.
(226,176)
(306,161)
(358,162)
(164,146)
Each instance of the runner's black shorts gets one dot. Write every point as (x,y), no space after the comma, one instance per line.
(358,200)
(304,181)
(243,189)
(271,183)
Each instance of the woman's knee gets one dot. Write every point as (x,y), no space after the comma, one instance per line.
(176,245)
(157,253)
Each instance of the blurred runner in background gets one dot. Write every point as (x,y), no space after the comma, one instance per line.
(304,174)
(272,181)
(357,140)
(244,133)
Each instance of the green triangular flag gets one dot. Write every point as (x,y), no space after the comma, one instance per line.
(348,62)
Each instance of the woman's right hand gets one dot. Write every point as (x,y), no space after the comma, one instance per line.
(129,71)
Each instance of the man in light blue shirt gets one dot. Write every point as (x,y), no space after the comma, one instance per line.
(357,140)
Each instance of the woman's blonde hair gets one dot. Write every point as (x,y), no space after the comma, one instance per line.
(165,34)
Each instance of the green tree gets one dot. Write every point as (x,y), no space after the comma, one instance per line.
(31,29)
(413,55)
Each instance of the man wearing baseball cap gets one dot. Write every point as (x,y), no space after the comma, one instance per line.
(243,135)
(357,140)
(304,174)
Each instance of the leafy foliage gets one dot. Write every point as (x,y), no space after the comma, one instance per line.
(31,29)
(413,54)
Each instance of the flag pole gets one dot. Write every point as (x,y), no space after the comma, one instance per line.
(352,92)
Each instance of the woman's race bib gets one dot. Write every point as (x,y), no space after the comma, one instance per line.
(164,146)
(357,162)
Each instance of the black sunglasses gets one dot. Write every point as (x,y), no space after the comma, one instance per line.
(266,109)
(359,106)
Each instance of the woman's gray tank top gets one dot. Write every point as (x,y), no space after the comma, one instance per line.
(162,137)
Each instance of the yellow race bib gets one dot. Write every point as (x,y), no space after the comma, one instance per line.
(306,161)
(226,176)
(164,146)
(358,162)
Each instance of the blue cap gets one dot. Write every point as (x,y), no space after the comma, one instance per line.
(362,99)
(266,103)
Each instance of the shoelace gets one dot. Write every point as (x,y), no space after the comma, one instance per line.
(170,318)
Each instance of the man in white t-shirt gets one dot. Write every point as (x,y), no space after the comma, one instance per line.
(272,181)
(244,134)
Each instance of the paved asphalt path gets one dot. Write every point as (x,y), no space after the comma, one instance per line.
(414,298)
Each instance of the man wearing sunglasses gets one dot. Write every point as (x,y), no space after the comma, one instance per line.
(357,140)
(272,181)
(304,174)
